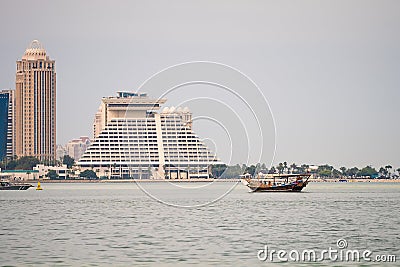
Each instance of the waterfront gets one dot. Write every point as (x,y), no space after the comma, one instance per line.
(201,180)
(118,224)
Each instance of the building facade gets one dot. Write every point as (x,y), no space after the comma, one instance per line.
(7,124)
(135,141)
(60,152)
(35,99)
(43,170)
(19,175)
(76,147)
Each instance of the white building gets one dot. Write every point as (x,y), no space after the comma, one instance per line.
(134,141)
(42,171)
(19,175)
(76,147)
(60,152)
(97,123)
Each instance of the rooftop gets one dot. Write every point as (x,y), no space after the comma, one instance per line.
(19,171)
(35,51)
(124,94)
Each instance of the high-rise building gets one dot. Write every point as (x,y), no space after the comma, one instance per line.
(97,123)
(7,129)
(133,140)
(60,152)
(76,147)
(35,100)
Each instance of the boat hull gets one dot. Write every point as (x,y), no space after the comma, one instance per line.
(16,187)
(276,189)
(299,181)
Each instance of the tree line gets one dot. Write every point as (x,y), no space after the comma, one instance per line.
(28,162)
(234,171)
(321,171)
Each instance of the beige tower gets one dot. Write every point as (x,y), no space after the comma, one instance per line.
(35,102)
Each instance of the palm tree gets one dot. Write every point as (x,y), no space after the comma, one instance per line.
(293,167)
(388,168)
(280,168)
(244,167)
(263,166)
(272,170)
(382,172)
(304,167)
(343,169)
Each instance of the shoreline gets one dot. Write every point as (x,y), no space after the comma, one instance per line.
(356,181)
(205,181)
(199,180)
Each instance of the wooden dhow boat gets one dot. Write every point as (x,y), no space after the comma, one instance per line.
(276,182)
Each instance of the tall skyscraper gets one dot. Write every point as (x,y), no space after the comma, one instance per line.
(35,100)
(7,124)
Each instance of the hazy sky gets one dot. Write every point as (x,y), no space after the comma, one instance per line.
(329,69)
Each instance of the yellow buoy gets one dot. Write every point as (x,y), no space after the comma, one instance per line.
(38,186)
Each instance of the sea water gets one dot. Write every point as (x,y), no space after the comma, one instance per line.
(220,223)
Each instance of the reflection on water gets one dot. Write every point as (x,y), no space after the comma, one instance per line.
(104,224)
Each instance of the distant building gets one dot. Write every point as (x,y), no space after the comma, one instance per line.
(35,101)
(76,147)
(132,140)
(43,170)
(97,123)
(7,124)
(60,152)
(312,168)
(19,175)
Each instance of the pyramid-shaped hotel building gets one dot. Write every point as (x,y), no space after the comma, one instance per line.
(132,140)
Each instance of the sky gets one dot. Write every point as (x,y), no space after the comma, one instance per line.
(329,70)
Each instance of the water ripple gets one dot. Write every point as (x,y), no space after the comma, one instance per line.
(108,224)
